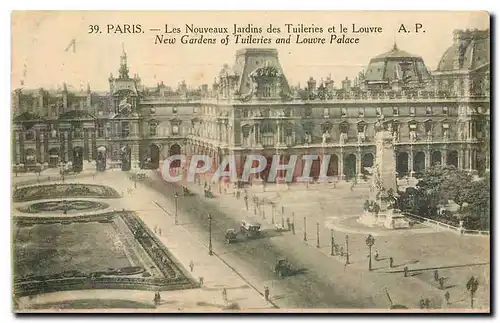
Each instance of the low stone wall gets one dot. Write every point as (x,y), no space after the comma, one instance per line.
(438,224)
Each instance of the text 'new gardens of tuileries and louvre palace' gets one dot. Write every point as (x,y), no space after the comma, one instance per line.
(303,175)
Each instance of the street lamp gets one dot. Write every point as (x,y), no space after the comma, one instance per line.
(370,241)
(305,229)
(176,196)
(333,243)
(210,252)
(317,234)
(347,249)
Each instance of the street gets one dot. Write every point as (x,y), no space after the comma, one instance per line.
(321,285)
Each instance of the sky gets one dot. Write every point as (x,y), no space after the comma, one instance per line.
(40,41)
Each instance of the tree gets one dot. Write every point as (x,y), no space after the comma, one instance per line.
(472,285)
(456,186)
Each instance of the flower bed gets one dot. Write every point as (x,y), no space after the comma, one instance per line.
(38,192)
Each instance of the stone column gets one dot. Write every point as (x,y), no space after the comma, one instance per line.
(358,163)
(443,158)
(460,158)
(15,147)
(86,144)
(471,159)
(93,136)
(38,144)
(46,158)
(69,145)
(466,161)
(427,158)
(410,163)
(341,165)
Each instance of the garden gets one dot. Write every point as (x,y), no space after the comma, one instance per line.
(92,251)
(450,196)
(38,192)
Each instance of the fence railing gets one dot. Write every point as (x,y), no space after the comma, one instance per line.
(448,226)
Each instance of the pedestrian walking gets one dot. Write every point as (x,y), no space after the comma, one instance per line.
(436,275)
(376,255)
(201,279)
(391,262)
(191,265)
(224,294)
(266,293)
(406,271)
(441,282)
(447,297)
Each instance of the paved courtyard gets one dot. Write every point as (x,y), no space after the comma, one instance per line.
(327,208)
(215,274)
(422,249)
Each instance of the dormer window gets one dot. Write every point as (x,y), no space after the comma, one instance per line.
(412,111)
(326,112)
(175,130)
(395,111)
(428,111)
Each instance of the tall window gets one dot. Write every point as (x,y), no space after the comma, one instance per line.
(395,111)
(175,130)
(428,111)
(125,129)
(412,111)
(445,110)
(152,129)
(100,130)
(326,112)
(174,110)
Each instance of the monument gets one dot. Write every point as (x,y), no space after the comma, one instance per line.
(380,209)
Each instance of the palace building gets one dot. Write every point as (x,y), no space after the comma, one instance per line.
(438,117)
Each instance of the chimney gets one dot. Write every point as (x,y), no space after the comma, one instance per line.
(346,84)
(311,85)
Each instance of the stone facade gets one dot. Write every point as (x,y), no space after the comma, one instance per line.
(436,118)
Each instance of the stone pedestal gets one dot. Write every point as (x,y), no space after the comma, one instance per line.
(395,220)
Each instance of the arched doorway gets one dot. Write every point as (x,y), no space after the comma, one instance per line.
(315,168)
(126,158)
(436,158)
(419,162)
(101,159)
(154,157)
(350,166)
(402,164)
(175,149)
(30,157)
(333,166)
(366,162)
(452,158)
(77,159)
(53,157)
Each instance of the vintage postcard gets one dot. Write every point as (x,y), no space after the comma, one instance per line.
(250,161)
